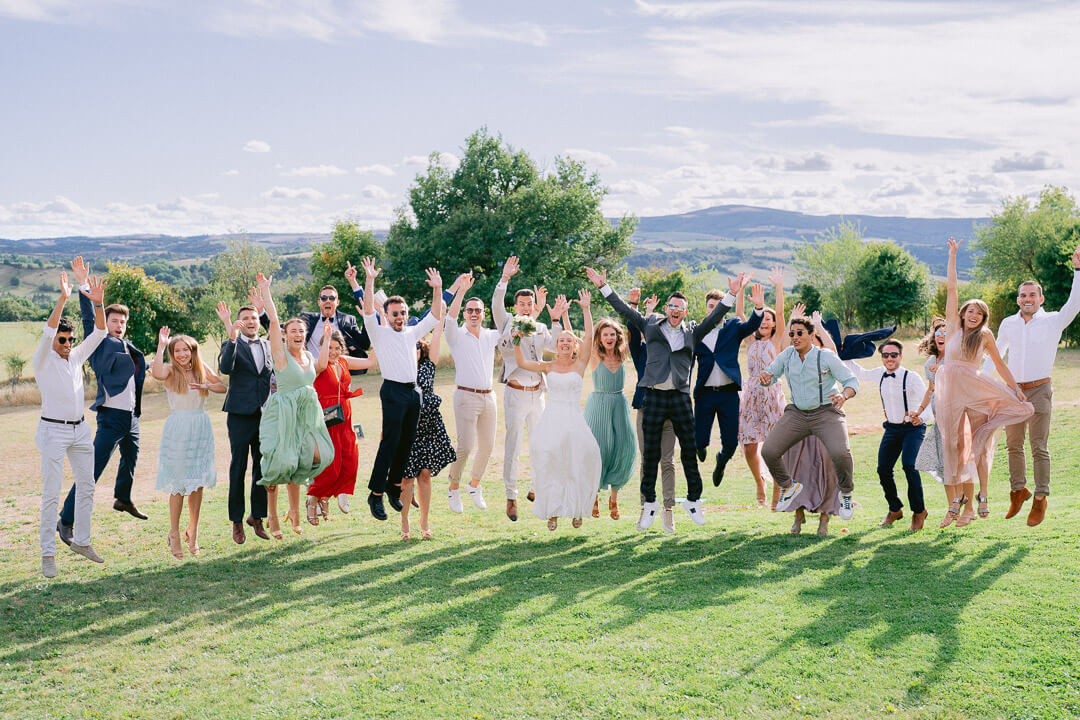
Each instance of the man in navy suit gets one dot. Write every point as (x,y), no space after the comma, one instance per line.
(357,342)
(245,358)
(120,370)
(719,379)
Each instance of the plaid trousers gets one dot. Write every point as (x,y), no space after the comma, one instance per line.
(659,406)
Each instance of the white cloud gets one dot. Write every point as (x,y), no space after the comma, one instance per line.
(374,192)
(231,173)
(591,158)
(634,187)
(288,193)
(315,171)
(815,162)
(256,146)
(1026,163)
(375,170)
(415,160)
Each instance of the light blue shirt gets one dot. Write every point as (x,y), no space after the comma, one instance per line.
(809,390)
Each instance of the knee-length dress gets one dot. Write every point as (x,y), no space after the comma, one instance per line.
(292,426)
(564,455)
(339,478)
(759,407)
(608,416)
(186,455)
(930,457)
(432,449)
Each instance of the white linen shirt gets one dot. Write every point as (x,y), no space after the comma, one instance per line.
(717,378)
(892,391)
(397,350)
(60,380)
(474,357)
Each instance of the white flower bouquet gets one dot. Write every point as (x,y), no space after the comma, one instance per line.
(524,325)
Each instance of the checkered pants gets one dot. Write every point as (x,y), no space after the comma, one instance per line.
(659,406)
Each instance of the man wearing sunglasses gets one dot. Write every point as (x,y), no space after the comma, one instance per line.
(819,385)
(357,341)
(901,392)
(62,429)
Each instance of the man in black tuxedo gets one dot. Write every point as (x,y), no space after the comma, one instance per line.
(245,358)
(357,342)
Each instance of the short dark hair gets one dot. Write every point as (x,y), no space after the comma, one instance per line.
(473,299)
(678,295)
(882,346)
(65,326)
(328,287)
(806,323)
(246,307)
(522,293)
(394,300)
(713,294)
(117,309)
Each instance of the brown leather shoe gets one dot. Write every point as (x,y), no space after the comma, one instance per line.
(917,521)
(890,518)
(531,497)
(257,525)
(511,510)
(1017,498)
(238,533)
(1038,511)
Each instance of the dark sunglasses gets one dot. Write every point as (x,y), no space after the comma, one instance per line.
(474,310)
(890,354)
(797,333)
(398,313)
(64,339)
(325,298)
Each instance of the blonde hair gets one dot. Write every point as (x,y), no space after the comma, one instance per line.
(577,343)
(972,340)
(927,346)
(621,348)
(178,378)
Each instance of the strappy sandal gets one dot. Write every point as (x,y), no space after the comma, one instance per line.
(425,534)
(596,507)
(796,527)
(964,520)
(405,537)
(324,508)
(176,550)
(984,506)
(192,548)
(953,512)
(613,508)
(553,523)
(823,526)
(312,506)
(273,524)
(576,522)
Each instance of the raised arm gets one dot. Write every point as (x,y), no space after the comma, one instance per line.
(1071,307)
(277,340)
(498,298)
(434,279)
(952,302)
(370,273)
(797,311)
(530,365)
(324,348)
(632,316)
(776,277)
(464,283)
(740,306)
(160,370)
(51,324)
(735,288)
(586,343)
(748,326)
(819,330)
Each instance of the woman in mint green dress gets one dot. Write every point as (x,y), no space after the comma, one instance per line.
(296,445)
(608,413)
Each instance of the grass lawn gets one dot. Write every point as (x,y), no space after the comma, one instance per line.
(22,339)
(493,619)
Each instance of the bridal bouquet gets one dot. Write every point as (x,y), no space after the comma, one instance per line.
(525,325)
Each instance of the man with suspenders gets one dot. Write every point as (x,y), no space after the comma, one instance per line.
(901,393)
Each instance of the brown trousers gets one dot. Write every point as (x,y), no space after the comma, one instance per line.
(667,460)
(1038,432)
(828,425)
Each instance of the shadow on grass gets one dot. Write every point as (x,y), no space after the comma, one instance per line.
(904,588)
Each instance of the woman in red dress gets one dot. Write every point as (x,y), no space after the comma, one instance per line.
(332,385)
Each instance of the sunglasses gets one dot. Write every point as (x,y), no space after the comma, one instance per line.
(325,298)
(64,339)
(477,311)
(797,333)
(890,354)
(398,313)
(939,333)
(676,308)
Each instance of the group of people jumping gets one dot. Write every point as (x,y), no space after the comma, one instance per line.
(289,412)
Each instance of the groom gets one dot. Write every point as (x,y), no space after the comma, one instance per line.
(669,341)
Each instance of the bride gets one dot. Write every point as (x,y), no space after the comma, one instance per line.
(563,452)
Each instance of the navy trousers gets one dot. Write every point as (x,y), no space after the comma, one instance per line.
(244,440)
(901,441)
(723,405)
(400,414)
(115,428)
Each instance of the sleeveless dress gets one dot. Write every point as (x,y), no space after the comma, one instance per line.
(961,388)
(608,416)
(930,457)
(759,407)
(292,426)
(186,455)
(432,449)
(564,454)
(339,478)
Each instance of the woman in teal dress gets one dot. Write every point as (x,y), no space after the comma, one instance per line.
(608,413)
(296,445)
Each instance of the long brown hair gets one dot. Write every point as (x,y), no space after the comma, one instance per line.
(621,348)
(928,346)
(178,378)
(757,333)
(972,340)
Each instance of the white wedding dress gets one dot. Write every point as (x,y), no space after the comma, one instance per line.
(564,456)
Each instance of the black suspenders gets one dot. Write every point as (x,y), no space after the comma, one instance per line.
(903,390)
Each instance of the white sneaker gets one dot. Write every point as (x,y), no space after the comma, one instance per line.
(343,503)
(48,566)
(667,517)
(648,514)
(847,509)
(697,514)
(788,496)
(476,496)
(87,551)
(454,496)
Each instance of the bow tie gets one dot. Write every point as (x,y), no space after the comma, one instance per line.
(888,375)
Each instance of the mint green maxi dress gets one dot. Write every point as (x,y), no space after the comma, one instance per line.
(292,426)
(608,416)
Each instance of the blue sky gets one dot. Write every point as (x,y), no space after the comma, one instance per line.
(209,116)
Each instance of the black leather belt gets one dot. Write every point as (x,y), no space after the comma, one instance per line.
(63,422)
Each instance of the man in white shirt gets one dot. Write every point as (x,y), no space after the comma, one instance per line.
(901,393)
(475,410)
(1028,343)
(395,345)
(63,429)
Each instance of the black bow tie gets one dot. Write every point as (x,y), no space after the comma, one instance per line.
(888,375)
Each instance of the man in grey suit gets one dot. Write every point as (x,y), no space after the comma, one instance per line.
(669,341)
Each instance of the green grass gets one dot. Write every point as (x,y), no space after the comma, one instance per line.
(21,338)
(492,620)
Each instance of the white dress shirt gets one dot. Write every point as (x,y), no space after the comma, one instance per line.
(256,350)
(717,378)
(60,380)
(1032,346)
(474,357)
(314,342)
(397,350)
(892,390)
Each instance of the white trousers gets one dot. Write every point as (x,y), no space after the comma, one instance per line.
(475,415)
(523,409)
(54,441)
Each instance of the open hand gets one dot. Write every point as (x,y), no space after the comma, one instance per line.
(368,264)
(1076,258)
(540,294)
(776,277)
(798,311)
(224,313)
(163,336)
(465,282)
(255,299)
(583,299)
(80,269)
(954,245)
(838,399)
(350,273)
(634,296)
(651,304)
(757,296)
(596,278)
(262,282)
(65,287)
(434,279)
(96,292)
(510,268)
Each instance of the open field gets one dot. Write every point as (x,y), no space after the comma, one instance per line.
(491,619)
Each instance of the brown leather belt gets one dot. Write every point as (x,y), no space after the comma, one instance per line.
(473,390)
(516,386)
(1032,384)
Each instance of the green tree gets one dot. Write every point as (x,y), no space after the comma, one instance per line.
(830,265)
(808,295)
(234,270)
(347,244)
(14,308)
(659,282)
(496,204)
(152,304)
(893,286)
(15,364)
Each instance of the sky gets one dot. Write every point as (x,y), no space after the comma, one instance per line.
(216,116)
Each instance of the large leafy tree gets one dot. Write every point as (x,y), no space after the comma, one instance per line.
(347,244)
(830,265)
(496,203)
(152,304)
(893,286)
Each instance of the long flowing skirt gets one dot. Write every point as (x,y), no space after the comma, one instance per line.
(810,464)
(565,459)
(292,426)
(608,417)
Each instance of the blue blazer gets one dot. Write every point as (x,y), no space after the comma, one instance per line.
(114,362)
(726,354)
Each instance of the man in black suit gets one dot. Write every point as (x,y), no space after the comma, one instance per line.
(356,338)
(245,358)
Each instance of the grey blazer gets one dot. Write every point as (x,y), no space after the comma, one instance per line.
(662,362)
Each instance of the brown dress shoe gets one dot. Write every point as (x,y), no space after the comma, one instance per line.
(1017,498)
(891,517)
(257,525)
(238,533)
(511,510)
(917,521)
(1038,511)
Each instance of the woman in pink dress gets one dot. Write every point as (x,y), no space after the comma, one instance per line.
(971,406)
(760,407)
